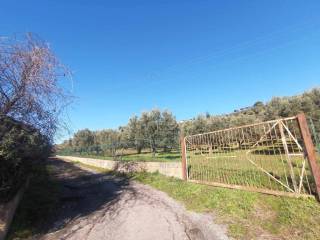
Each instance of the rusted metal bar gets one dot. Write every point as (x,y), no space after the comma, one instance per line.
(243,126)
(309,150)
(183,158)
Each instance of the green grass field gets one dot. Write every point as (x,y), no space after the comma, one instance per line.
(235,168)
(159,157)
(248,215)
(142,157)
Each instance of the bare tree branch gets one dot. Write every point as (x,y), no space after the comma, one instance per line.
(30,83)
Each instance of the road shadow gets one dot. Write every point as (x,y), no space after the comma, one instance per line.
(83,192)
(80,193)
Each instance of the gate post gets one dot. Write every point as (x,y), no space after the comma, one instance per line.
(183,157)
(309,150)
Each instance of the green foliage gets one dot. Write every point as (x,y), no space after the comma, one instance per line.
(173,156)
(135,134)
(38,202)
(154,130)
(159,129)
(278,107)
(20,147)
(83,138)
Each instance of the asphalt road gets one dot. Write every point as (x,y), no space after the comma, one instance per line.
(100,206)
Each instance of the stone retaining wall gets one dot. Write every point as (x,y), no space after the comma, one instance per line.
(172,169)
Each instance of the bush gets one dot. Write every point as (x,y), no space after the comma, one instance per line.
(21,146)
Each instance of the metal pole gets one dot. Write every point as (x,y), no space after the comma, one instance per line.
(286,150)
(309,150)
(183,158)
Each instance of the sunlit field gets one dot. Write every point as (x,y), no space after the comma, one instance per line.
(132,155)
(250,170)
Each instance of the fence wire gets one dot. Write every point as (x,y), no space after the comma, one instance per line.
(266,157)
(119,150)
(315,133)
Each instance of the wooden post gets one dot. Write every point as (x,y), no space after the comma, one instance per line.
(309,150)
(183,158)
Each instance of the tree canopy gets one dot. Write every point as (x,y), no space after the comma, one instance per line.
(277,107)
(159,130)
(156,130)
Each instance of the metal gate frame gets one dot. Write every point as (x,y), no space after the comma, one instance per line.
(307,148)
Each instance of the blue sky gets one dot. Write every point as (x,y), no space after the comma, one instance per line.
(189,57)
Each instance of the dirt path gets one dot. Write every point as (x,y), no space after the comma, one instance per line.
(97,206)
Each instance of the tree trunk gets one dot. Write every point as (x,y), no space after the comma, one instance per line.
(165,149)
(153,147)
(139,149)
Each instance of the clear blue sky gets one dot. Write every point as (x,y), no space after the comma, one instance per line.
(186,56)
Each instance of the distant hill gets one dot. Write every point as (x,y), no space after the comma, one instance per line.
(277,107)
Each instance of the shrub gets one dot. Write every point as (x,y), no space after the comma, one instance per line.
(21,146)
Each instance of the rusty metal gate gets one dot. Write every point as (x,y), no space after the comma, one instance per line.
(274,157)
